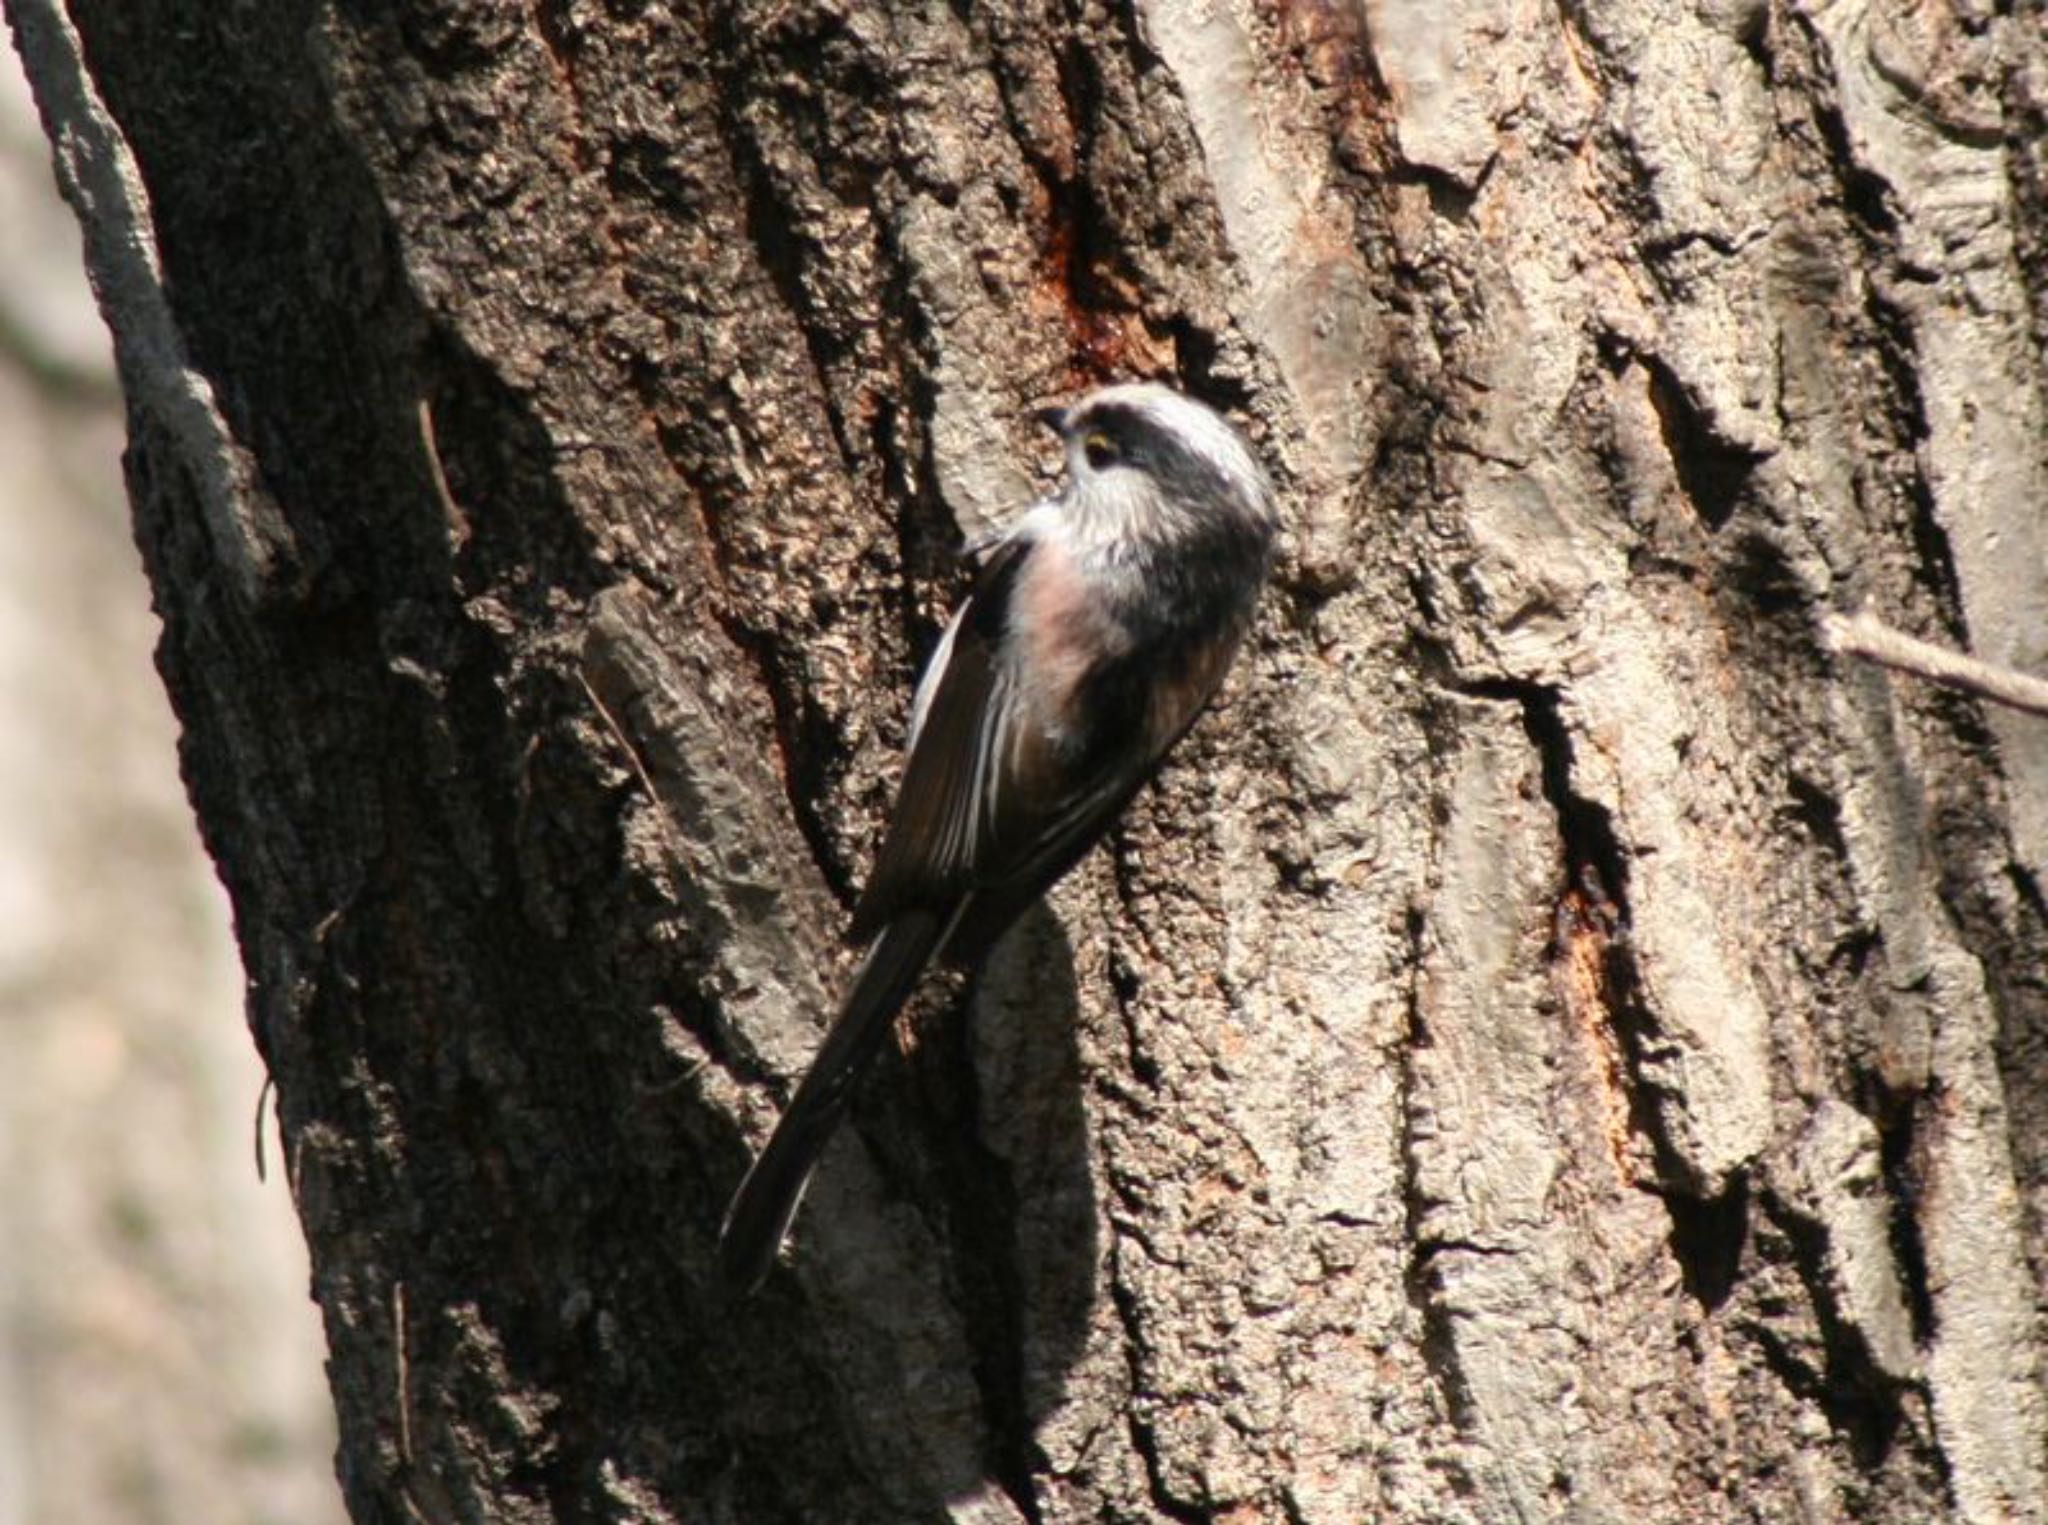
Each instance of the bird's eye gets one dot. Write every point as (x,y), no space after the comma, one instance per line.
(1100,449)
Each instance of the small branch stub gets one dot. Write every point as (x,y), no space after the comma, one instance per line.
(1864,635)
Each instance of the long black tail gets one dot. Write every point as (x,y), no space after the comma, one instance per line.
(768,1197)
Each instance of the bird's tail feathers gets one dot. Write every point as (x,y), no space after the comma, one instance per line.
(767,1199)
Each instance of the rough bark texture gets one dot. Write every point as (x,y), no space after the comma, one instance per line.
(1557,1044)
(159,1358)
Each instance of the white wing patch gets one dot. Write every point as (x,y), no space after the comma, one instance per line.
(964,826)
(934,671)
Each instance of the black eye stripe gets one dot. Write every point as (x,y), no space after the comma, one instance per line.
(1136,440)
(1119,423)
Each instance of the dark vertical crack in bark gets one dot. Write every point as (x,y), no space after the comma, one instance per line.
(1439,1344)
(1866,201)
(1707,1232)
(1898,1155)
(1125,980)
(1711,472)
(1585,830)
(982,1208)
(1080,242)
(1708,1238)
(2025,93)
(1861,1402)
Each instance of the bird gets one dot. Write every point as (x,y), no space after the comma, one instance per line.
(1099,625)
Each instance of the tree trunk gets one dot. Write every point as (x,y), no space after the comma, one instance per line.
(1556,1043)
(159,1360)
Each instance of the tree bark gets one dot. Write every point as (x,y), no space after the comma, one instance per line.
(1559,1042)
(158,1357)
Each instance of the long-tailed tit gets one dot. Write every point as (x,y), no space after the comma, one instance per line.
(1101,623)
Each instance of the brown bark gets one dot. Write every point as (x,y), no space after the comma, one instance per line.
(1558,1043)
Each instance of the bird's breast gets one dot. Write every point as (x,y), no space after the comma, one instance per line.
(1062,630)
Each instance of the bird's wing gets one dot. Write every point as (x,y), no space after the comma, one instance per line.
(931,846)
(1141,704)
(993,806)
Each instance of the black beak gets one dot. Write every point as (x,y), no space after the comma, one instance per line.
(1054,418)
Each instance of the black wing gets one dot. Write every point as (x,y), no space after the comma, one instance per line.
(928,855)
(990,808)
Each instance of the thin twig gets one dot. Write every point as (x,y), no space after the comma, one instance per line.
(405,1481)
(1864,635)
(458,521)
(619,735)
(263,1095)
(404,1373)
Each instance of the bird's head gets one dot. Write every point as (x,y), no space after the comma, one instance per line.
(1147,464)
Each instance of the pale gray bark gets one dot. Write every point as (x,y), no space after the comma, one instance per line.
(1560,1042)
